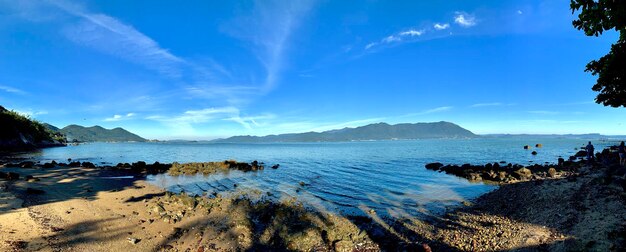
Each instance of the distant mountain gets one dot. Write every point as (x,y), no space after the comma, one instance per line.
(554,136)
(98,134)
(378,131)
(21,133)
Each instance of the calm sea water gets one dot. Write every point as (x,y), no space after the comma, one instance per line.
(348,177)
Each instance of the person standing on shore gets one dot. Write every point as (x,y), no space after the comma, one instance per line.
(590,149)
(621,149)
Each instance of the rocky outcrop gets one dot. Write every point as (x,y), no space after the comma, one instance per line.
(494,172)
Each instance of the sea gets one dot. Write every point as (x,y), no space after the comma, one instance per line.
(353,178)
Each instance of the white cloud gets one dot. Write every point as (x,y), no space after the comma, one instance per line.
(370,45)
(11,90)
(519,12)
(464,19)
(412,33)
(116,117)
(390,39)
(440,27)
(397,37)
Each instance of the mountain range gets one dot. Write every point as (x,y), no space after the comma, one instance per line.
(377,131)
(77,133)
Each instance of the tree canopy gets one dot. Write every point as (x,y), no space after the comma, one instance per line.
(595,17)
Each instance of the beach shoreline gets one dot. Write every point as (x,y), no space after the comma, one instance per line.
(89,208)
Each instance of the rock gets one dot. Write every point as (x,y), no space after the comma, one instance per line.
(434,166)
(561,161)
(27,164)
(475,177)
(551,172)
(275,166)
(426,248)
(133,240)
(526,147)
(581,153)
(502,175)
(344,245)
(34,191)
(188,201)
(534,153)
(139,165)
(523,174)
(538,145)
(12,176)
(48,165)
(88,165)
(158,209)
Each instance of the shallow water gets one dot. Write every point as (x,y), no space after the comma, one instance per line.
(350,177)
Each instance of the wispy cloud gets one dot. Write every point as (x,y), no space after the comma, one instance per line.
(11,90)
(438,109)
(544,112)
(111,36)
(230,113)
(429,111)
(397,37)
(492,104)
(116,118)
(269,28)
(439,26)
(464,19)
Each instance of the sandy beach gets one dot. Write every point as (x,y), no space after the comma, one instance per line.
(94,209)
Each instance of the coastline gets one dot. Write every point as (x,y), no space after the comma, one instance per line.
(80,210)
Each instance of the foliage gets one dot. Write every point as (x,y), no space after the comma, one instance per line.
(17,126)
(597,16)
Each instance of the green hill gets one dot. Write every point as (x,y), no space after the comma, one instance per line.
(98,134)
(378,131)
(21,133)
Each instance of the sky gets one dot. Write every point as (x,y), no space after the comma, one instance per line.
(210,69)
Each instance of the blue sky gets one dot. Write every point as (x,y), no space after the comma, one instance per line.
(208,69)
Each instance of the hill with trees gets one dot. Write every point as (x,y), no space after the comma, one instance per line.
(77,133)
(22,133)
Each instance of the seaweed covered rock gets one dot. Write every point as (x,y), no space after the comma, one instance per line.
(434,166)
(213,167)
(523,174)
